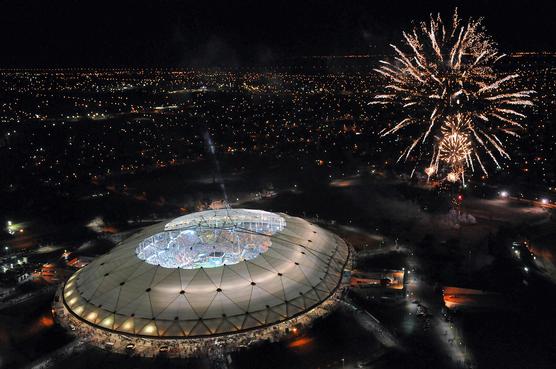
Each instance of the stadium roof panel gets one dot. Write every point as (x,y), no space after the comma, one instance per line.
(297,266)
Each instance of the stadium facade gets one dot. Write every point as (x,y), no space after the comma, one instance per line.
(205,280)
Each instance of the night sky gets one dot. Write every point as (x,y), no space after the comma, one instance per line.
(50,33)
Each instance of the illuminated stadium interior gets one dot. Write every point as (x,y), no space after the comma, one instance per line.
(244,272)
(224,238)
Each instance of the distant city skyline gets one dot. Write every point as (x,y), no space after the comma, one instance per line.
(216,33)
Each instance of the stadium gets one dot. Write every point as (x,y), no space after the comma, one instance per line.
(206,281)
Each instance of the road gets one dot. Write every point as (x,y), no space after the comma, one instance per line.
(424,302)
(373,325)
(49,360)
(28,296)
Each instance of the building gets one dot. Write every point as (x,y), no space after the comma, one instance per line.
(385,278)
(206,281)
(14,269)
(467,299)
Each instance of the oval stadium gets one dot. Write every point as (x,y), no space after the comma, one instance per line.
(206,278)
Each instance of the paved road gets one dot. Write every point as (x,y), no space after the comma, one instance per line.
(373,325)
(28,296)
(447,334)
(50,360)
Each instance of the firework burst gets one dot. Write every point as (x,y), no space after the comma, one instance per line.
(454,149)
(451,98)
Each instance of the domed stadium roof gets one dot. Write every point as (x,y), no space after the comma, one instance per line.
(208,273)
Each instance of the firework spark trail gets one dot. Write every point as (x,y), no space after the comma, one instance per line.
(446,86)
